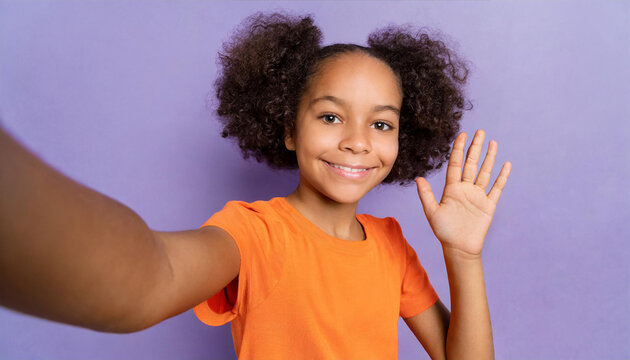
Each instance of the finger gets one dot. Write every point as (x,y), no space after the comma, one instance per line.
(472,157)
(486,168)
(454,170)
(426,197)
(499,183)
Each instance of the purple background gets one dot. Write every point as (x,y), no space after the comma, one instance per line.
(113,95)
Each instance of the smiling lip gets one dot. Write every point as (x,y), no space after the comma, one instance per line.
(349,174)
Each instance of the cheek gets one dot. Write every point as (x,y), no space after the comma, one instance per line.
(389,151)
(315,141)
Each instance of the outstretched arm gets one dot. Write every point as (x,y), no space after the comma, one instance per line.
(73,255)
(460,222)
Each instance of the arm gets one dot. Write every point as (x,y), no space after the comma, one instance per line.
(470,331)
(441,332)
(460,222)
(430,328)
(73,255)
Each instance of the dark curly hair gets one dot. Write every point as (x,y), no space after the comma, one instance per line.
(272,58)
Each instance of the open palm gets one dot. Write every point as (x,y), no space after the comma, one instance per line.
(462,217)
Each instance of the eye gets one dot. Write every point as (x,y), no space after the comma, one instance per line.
(330,118)
(383,126)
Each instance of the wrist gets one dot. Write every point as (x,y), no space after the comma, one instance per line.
(452,253)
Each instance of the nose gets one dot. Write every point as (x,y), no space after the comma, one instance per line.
(356,139)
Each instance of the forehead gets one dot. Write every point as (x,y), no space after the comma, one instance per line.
(356,77)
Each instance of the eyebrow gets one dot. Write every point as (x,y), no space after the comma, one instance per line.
(336,100)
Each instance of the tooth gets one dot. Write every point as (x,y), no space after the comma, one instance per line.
(347,168)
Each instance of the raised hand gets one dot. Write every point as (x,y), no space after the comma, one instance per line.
(462,218)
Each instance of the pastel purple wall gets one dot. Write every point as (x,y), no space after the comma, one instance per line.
(113,95)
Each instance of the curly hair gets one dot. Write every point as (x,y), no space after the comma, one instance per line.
(271,59)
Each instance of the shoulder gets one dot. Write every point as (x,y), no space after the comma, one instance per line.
(388,225)
(253,226)
(386,233)
(259,206)
(240,210)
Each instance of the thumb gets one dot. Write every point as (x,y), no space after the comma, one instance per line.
(426,197)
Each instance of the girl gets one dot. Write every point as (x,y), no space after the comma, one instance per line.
(297,276)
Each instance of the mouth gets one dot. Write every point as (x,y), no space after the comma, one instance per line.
(349,171)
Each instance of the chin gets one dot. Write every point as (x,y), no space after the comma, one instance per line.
(344,195)
(345,199)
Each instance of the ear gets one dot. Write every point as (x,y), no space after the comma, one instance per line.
(289,143)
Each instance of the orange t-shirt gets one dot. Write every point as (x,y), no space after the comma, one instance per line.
(302,293)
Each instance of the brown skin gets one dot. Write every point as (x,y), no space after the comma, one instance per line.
(267,63)
(73,255)
(354,134)
(460,222)
(346,131)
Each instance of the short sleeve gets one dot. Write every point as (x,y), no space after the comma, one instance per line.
(262,260)
(417,293)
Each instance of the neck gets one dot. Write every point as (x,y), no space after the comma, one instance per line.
(334,218)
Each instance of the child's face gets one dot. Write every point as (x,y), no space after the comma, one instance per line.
(356,126)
